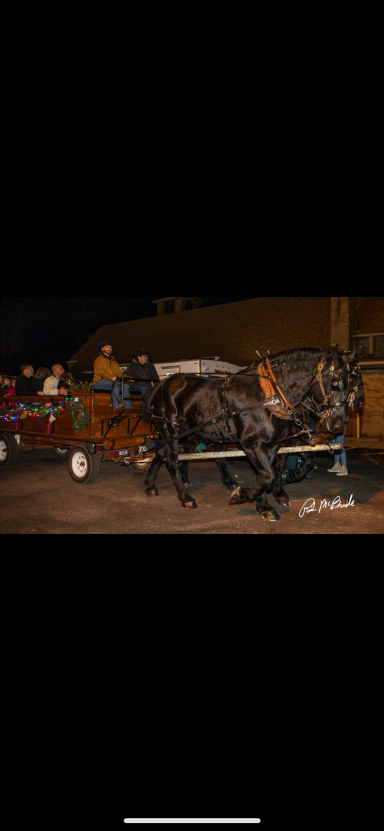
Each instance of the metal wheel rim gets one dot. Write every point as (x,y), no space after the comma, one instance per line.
(3,451)
(79,465)
(60,451)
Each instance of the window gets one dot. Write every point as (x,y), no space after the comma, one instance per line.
(362,346)
(169,307)
(379,346)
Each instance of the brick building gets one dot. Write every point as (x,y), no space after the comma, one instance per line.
(183,330)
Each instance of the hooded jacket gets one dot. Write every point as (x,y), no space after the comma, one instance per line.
(106,369)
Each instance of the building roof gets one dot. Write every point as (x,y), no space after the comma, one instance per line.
(165,299)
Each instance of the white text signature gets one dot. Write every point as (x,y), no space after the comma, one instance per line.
(310,506)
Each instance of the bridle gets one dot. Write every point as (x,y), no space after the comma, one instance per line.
(356,379)
(339,381)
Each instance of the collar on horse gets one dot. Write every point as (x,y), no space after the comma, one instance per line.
(278,403)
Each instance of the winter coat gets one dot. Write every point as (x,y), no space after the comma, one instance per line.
(139,372)
(106,369)
(24,385)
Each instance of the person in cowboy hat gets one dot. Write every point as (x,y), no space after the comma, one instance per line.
(142,374)
(107,372)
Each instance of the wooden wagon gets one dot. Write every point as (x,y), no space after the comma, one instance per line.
(82,428)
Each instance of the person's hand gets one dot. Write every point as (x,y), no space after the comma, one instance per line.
(40,393)
(152,384)
(115,378)
(63,391)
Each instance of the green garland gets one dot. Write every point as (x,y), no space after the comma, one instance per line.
(79,415)
(82,384)
(22,411)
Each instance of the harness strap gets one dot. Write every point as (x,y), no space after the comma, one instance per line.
(279,391)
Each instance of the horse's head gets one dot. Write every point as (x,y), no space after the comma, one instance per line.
(331,389)
(356,398)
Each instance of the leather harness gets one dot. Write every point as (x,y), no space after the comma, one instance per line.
(275,401)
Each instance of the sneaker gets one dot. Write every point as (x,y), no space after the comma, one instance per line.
(335,469)
(343,471)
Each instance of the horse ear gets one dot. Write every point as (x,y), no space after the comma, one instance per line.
(335,351)
(352,356)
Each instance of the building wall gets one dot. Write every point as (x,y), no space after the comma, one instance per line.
(233,332)
(372,422)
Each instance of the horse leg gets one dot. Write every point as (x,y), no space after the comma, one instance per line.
(150,482)
(228,480)
(278,491)
(172,455)
(184,473)
(264,466)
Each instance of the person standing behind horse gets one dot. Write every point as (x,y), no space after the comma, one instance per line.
(107,372)
(142,372)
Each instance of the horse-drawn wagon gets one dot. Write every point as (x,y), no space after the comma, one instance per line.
(83,429)
(265,410)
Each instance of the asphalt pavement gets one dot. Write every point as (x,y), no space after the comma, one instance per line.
(39,497)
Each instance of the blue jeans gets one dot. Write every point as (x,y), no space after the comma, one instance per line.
(106,386)
(292,460)
(341,456)
(143,388)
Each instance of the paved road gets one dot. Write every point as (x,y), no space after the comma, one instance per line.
(38,497)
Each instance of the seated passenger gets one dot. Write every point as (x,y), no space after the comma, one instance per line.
(107,372)
(66,380)
(10,386)
(142,372)
(52,385)
(39,378)
(24,383)
(3,385)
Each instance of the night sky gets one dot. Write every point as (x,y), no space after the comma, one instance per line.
(46,330)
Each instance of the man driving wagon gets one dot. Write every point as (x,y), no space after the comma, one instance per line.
(106,374)
(141,373)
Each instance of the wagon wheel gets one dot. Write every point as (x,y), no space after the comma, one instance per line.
(62,452)
(84,467)
(9,450)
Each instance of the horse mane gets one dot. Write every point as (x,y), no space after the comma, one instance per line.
(297,355)
(289,356)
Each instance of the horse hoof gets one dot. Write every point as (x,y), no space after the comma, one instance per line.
(235,498)
(271,516)
(232,486)
(283,501)
(189,506)
(152,492)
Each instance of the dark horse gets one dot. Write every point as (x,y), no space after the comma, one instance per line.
(356,400)
(236,411)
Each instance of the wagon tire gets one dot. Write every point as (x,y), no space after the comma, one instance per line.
(84,467)
(143,467)
(9,450)
(62,453)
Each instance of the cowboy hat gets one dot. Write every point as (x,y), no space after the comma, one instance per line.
(141,352)
(101,345)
